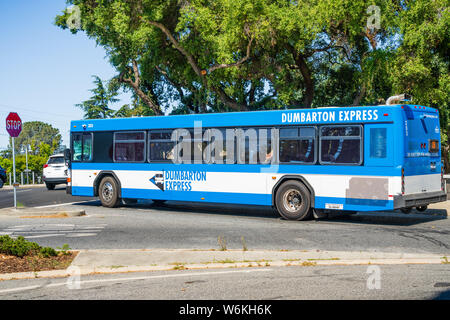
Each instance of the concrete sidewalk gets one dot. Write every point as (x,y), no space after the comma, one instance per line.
(116,261)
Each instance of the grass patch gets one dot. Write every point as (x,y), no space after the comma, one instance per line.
(222,243)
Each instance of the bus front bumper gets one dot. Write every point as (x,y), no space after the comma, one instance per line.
(419,199)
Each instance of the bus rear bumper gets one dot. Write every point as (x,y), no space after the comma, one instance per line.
(419,199)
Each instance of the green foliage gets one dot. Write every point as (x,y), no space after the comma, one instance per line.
(97,106)
(64,249)
(18,247)
(35,161)
(234,55)
(37,135)
(47,252)
(21,247)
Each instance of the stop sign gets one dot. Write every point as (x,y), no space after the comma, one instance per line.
(13,124)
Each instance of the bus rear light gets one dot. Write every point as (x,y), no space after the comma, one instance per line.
(386,114)
(69,180)
(403,181)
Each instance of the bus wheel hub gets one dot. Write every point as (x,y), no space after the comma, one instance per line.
(292,200)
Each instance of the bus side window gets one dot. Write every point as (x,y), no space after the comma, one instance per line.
(161,147)
(340,145)
(87,147)
(82,147)
(297,145)
(77,147)
(129,146)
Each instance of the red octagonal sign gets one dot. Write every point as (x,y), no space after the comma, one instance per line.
(13,124)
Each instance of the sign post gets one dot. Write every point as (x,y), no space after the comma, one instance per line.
(14,127)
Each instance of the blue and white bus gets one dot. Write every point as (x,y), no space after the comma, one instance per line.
(345,159)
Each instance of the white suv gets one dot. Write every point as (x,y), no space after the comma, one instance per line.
(55,171)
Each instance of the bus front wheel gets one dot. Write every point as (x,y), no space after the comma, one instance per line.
(293,201)
(108,192)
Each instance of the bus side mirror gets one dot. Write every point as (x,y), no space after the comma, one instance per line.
(67,155)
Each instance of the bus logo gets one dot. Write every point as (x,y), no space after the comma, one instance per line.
(158,180)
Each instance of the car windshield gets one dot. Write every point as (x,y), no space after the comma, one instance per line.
(56,160)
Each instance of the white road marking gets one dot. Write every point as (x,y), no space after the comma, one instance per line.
(195,274)
(62,204)
(19,289)
(54,230)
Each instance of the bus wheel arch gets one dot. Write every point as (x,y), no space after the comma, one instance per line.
(293,199)
(299,178)
(108,188)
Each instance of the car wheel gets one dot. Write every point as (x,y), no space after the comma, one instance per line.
(50,186)
(108,192)
(2,183)
(293,201)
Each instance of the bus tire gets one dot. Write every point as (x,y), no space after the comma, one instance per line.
(421,208)
(293,201)
(406,210)
(108,192)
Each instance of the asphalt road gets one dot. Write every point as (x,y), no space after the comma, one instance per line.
(266,283)
(198,226)
(32,197)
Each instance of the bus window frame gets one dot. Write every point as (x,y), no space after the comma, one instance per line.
(82,146)
(316,139)
(124,141)
(150,140)
(361,144)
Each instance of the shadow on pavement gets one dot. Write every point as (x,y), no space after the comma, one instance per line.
(381,218)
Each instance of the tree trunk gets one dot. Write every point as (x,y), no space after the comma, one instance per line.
(307,77)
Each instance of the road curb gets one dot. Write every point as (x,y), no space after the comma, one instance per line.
(23,186)
(98,261)
(42,213)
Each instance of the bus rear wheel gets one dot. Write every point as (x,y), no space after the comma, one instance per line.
(108,192)
(293,201)
(421,208)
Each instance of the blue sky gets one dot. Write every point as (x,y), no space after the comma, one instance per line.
(44,70)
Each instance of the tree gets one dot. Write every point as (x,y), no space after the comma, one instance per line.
(97,106)
(237,55)
(33,134)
